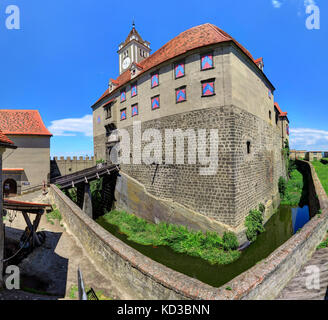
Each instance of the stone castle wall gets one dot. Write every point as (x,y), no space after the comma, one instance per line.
(242,180)
(63,166)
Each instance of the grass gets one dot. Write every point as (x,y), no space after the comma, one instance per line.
(294,188)
(323,244)
(73,293)
(210,246)
(322,172)
(53,215)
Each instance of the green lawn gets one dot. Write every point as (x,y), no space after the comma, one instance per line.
(294,189)
(322,172)
(210,246)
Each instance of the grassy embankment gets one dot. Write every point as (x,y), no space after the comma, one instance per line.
(322,172)
(291,190)
(210,246)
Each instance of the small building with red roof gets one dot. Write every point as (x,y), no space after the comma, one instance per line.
(201,79)
(28,166)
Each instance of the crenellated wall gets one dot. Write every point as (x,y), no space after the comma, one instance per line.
(61,166)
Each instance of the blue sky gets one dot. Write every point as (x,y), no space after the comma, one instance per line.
(61,59)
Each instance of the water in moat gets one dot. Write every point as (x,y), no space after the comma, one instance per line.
(282,225)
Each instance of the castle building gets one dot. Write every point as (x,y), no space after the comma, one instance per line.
(201,79)
(28,166)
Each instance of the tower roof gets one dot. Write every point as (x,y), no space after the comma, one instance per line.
(133,33)
(196,37)
(22,122)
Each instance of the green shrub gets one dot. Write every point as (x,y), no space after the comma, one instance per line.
(282,185)
(262,207)
(209,246)
(230,241)
(254,224)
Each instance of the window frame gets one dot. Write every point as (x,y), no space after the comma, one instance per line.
(203,55)
(134,115)
(123,90)
(214,88)
(135,84)
(151,79)
(126,115)
(184,68)
(176,94)
(151,102)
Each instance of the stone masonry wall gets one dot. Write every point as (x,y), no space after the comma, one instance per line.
(242,180)
(144,278)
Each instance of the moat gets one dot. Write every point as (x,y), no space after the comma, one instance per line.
(282,225)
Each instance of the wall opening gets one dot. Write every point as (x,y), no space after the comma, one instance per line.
(10,187)
(248,147)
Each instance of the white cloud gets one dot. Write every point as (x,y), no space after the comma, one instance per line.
(71,127)
(276,4)
(309,139)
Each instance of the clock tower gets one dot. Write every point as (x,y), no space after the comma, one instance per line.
(133,49)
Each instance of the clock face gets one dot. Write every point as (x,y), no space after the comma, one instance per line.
(126,62)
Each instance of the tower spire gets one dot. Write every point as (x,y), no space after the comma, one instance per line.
(133,24)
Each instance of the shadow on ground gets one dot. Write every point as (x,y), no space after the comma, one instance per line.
(42,271)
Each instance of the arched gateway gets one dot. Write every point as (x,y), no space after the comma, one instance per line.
(10,187)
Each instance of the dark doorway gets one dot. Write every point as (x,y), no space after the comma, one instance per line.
(10,187)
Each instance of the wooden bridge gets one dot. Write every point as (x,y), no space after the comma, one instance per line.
(81,181)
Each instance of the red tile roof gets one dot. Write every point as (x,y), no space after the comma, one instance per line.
(196,37)
(281,114)
(258,61)
(11,170)
(4,139)
(22,122)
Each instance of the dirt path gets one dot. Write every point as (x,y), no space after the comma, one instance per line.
(52,268)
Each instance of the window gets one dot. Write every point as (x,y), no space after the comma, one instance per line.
(134,90)
(287,129)
(181,94)
(208,88)
(123,95)
(107,130)
(123,114)
(108,111)
(155,79)
(207,61)
(155,103)
(179,70)
(277,118)
(270,116)
(134,110)
(248,147)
